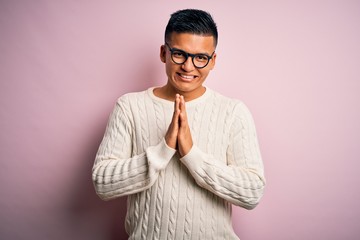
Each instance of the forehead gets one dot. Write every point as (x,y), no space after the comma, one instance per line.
(192,43)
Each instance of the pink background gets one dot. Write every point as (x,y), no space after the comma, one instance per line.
(63,64)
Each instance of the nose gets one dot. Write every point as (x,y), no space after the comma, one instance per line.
(188,65)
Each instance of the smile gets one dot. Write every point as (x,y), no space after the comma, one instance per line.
(186,77)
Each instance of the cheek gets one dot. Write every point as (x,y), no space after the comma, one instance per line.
(169,68)
(204,74)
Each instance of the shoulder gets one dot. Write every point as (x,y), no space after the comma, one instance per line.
(131,98)
(234,107)
(129,103)
(228,101)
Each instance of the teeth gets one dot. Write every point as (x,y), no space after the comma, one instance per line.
(187,77)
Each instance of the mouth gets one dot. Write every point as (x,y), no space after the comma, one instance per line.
(186,78)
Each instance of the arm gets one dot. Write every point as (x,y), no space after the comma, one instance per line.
(116,172)
(241,180)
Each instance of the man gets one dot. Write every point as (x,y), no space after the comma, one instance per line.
(182,153)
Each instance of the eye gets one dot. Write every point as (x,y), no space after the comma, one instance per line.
(178,54)
(201,58)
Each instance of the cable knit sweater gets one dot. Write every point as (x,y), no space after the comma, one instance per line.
(180,198)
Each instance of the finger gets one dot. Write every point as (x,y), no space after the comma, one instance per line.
(183,115)
(172,132)
(174,125)
(184,138)
(175,119)
(177,103)
(182,103)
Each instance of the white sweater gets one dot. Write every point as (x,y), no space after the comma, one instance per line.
(180,198)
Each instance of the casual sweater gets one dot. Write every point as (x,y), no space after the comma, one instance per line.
(180,198)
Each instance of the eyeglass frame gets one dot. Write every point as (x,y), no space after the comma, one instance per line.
(187,56)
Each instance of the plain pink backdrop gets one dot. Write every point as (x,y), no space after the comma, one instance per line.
(63,64)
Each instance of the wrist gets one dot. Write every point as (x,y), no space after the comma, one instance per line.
(183,151)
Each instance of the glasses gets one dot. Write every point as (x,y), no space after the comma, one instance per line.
(199,60)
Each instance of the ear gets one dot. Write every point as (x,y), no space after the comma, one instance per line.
(213,61)
(163,53)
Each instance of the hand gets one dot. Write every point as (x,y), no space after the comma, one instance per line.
(184,138)
(178,135)
(172,132)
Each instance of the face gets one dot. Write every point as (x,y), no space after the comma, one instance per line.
(186,79)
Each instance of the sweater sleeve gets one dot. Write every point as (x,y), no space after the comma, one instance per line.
(241,179)
(115,171)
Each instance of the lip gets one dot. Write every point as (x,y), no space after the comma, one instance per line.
(186,77)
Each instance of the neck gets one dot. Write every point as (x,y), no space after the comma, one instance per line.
(167,92)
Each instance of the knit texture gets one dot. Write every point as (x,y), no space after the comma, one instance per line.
(180,198)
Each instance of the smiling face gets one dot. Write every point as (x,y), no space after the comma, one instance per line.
(186,79)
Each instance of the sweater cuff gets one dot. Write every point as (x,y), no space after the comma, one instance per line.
(160,155)
(193,160)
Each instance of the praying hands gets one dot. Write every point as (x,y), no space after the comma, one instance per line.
(178,135)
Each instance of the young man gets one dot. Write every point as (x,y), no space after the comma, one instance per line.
(182,153)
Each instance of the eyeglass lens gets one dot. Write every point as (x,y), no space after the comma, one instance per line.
(199,60)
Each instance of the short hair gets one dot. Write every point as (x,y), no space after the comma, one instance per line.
(192,21)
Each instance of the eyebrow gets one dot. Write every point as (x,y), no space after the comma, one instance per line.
(207,54)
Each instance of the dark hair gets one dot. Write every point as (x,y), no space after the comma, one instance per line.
(192,21)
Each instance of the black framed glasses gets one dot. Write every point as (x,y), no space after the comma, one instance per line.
(200,60)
